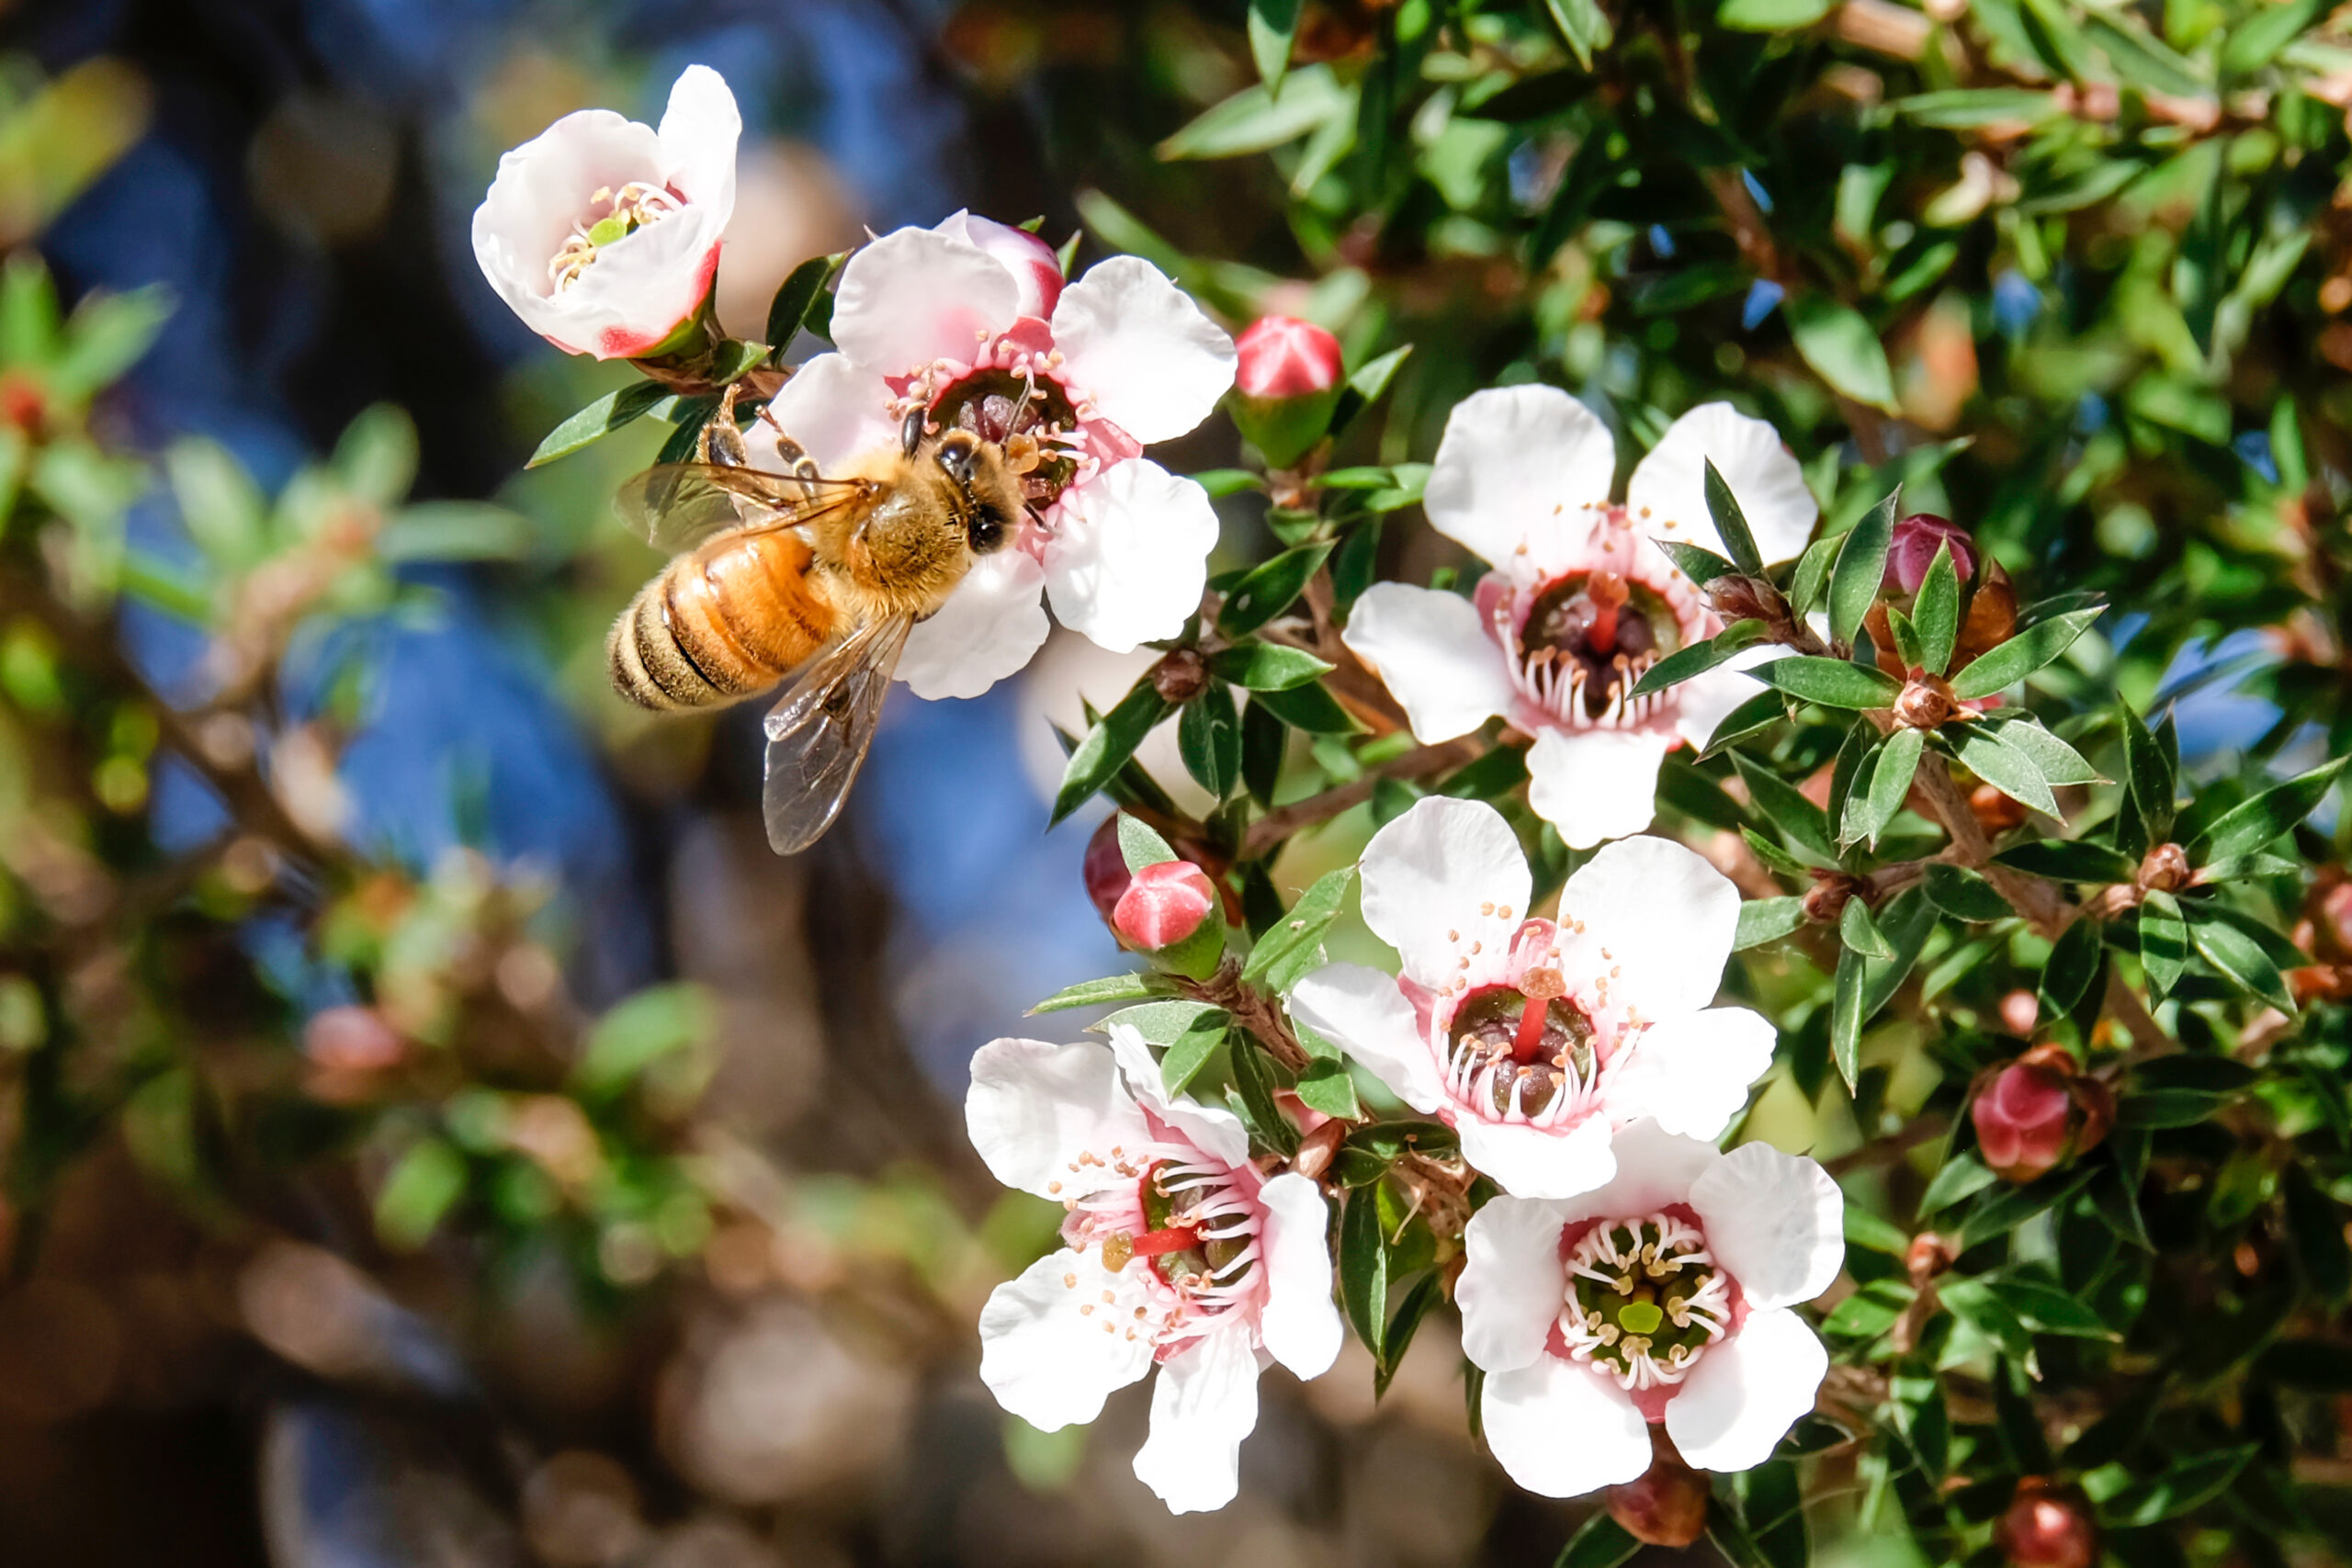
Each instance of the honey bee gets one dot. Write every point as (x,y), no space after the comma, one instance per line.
(821,573)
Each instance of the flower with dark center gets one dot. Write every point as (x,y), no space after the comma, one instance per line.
(1579,602)
(1663,1296)
(1536,1040)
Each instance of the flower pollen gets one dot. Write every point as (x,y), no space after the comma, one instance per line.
(1583,640)
(622,212)
(1187,1227)
(1644,1300)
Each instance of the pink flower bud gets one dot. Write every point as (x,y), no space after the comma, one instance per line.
(1913,550)
(2022,1119)
(1163,905)
(1282,356)
(1106,868)
(1033,263)
(2047,1526)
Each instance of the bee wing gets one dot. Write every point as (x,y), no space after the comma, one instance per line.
(676,506)
(819,734)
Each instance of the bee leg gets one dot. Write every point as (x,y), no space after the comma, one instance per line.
(721,440)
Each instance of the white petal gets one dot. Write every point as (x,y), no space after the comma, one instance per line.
(1130,555)
(986,631)
(1205,1403)
(1531,1162)
(1033,1109)
(1691,1073)
(1300,1325)
(1153,362)
(1212,1129)
(1594,785)
(1776,1220)
(1445,874)
(1658,917)
(1746,1393)
(1045,1359)
(1361,1011)
(1561,1430)
(836,411)
(912,297)
(1516,461)
(1512,1284)
(1670,483)
(1035,267)
(699,129)
(1431,651)
(1654,1168)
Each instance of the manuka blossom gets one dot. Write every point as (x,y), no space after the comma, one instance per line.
(971,321)
(1177,1252)
(1534,1040)
(1663,1296)
(1579,603)
(603,234)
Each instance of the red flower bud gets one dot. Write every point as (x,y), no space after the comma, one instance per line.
(2048,1526)
(1913,550)
(2023,1118)
(1282,356)
(1106,868)
(1163,905)
(1667,1506)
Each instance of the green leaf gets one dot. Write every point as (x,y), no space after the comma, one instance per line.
(1998,669)
(1843,348)
(1135,988)
(1268,590)
(1583,26)
(1266,666)
(1259,119)
(452,530)
(2006,1208)
(2237,955)
(1365,386)
(1159,1024)
(1599,1542)
(2148,778)
(1904,921)
(1308,707)
(1252,1096)
(1845,1014)
(1962,1176)
(638,1031)
(427,1179)
(1208,738)
(1861,569)
(1285,955)
(1782,806)
(1832,683)
(2182,1487)
(1274,26)
(2073,965)
(1398,1338)
(1771,15)
(1731,524)
(2069,860)
(2164,941)
(1895,764)
(1364,1266)
(800,290)
(1936,612)
(2144,60)
(2256,42)
(108,335)
(2047,1308)
(1701,566)
(1265,742)
(1108,746)
(2060,764)
(598,419)
(2007,768)
(1192,1048)
(1962,893)
(1699,658)
(1861,933)
(2252,824)
(1757,715)
(1812,576)
(1139,844)
(1907,645)
(1325,1084)
(1767,919)
(1969,108)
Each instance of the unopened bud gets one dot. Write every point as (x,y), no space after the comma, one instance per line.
(2336,914)
(1995,813)
(1929,1255)
(1316,1149)
(2026,1114)
(1738,597)
(2047,1526)
(1667,1507)
(1992,617)
(1827,901)
(1285,386)
(1180,676)
(350,1038)
(1925,703)
(1106,868)
(1163,905)
(2166,869)
(1913,551)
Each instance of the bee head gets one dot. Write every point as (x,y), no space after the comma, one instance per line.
(991,499)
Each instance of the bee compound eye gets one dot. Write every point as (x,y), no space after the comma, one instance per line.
(958,454)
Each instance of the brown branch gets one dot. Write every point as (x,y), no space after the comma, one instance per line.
(1420,763)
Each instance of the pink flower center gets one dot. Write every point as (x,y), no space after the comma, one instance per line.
(1185,1225)
(1519,1052)
(1586,638)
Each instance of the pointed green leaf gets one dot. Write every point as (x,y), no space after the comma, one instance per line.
(1812,576)
(1699,658)
(1208,738)
(1139,844)
(1936,612)
(1998,669)
(1832,683)
(1266,666)
(1701,566)
(1890,785)
(1842,347)
(1860,571)
(1846,1015)
(2237,955)
(1108,746)
(599,419)
(1284,955)
(2252,824)
(2007,768)
(1907,645)
(800,290)
(1268,590)
(1861,933)
(1731,524)
(1962,893)
(1767,919)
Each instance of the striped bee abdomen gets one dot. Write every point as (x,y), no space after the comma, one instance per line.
(721,624)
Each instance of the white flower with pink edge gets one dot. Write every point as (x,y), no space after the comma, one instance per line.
(1662,1297)
(1178,1252)
(1579,603)
(972,322)
(602,233)
(1536,1040)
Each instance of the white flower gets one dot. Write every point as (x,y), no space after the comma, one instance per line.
(603,234)
(1664,1296)
(1179,1252)
(1578,604)
(971,321)
(1534,1040)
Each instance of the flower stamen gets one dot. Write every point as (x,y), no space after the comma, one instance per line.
(632,207)
(1644,1300)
